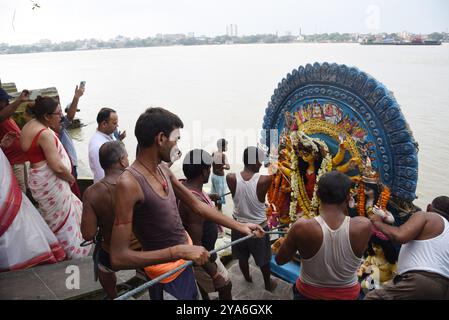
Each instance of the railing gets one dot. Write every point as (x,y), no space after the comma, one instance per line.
(148,284)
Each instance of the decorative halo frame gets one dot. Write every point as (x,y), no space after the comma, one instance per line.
(335,100)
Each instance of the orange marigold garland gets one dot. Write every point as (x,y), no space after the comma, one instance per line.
(384,198)
(361,199)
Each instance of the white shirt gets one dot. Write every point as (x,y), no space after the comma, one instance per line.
(95,143)
(247,207)
(431,255)
(335,264)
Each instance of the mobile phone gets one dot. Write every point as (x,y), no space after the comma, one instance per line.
(82,84)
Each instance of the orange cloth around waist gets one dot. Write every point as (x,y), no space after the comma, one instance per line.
(319,293)
(156,270)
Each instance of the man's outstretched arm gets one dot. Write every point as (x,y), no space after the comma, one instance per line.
(127,194)
(9,110)
(231,182)
(288,247)
(406,232)
(74,105)
(210,213)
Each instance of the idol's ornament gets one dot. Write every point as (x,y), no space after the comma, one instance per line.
(331,117)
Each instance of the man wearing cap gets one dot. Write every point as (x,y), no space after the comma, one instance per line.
(65,138)
(14,152)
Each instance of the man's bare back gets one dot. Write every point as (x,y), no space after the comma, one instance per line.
(98,205)
(306,236)
(220,163)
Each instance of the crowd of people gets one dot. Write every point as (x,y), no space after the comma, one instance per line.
(141,216)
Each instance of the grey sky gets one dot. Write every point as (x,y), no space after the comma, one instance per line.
(60,20)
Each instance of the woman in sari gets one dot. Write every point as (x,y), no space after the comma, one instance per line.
(25,239)
(50,176)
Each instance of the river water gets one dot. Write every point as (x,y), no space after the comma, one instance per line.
(223,91)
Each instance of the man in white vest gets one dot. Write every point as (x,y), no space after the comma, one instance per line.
(249,189)
(423,263)
(331,245)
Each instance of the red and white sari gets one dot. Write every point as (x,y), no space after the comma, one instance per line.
(25,239)
(59,207)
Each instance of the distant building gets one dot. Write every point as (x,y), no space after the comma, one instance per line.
(404,35)
(232,30)
(45,42)
(174,37)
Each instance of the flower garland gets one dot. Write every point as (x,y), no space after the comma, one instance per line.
(295,187)
(361,199)
(303,199)
(384,198)
(326,166)
(299,194)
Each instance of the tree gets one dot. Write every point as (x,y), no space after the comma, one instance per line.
(436,36)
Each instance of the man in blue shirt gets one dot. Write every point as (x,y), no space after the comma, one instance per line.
(65,138)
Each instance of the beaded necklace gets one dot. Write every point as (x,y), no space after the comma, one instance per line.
(163,183)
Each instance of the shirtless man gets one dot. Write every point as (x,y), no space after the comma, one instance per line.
(331,245)
(146,203)
(212,276)
(219,166)
(98,211)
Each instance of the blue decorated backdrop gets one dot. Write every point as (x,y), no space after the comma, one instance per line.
(347,101)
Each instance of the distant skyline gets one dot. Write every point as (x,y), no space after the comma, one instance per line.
(59,20)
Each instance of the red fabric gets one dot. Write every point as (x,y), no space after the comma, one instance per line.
(10,208)
(57,254)
(63,223)
(76,189)
(310,186)
(319,293)
(35,153)
(379,234)
(14,152)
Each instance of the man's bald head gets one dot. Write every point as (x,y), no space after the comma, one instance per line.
(111,153)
